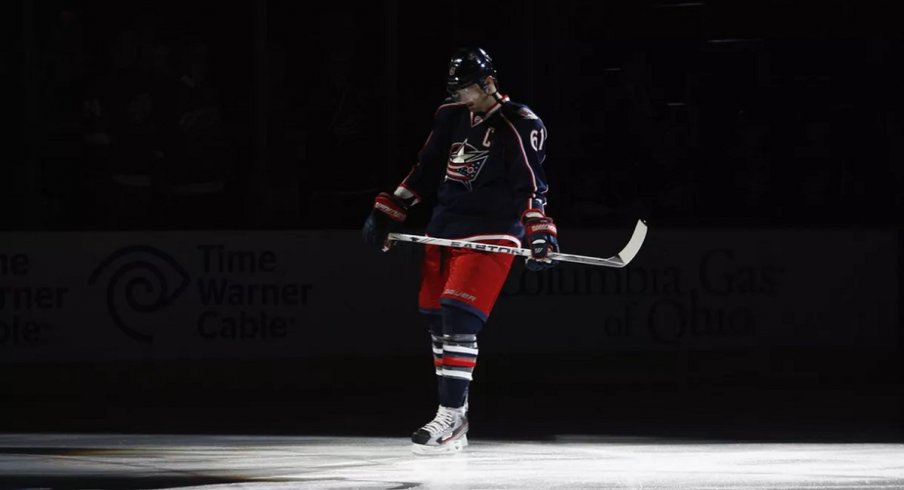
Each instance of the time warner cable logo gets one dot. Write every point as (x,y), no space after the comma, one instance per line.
(140,280)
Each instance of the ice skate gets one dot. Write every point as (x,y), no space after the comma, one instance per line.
(446,433)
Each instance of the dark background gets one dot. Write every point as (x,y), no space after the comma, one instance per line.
(695,115)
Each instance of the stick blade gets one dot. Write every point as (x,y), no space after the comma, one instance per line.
(637,237)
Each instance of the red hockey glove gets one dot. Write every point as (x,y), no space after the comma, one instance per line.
(542,238)
(387,216)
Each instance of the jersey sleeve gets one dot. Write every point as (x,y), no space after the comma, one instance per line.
(425,176)
(529,153)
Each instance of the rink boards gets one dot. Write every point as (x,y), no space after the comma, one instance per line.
(70,296)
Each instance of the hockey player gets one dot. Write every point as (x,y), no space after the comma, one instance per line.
(483,160)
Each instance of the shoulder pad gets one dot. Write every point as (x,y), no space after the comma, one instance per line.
(526,113)
(519,111)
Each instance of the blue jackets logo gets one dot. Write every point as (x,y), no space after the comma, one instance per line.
(465,163)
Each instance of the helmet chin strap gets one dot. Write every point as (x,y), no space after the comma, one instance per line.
(495,93)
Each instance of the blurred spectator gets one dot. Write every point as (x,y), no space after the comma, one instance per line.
(603,195)
(286,144)
(637,79)
(671,175)
(345,159)
(124,132)
(607,185)
(753,183)
(818,173)
(197,160)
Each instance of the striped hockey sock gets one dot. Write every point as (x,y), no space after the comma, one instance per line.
(436,343)
(458,361)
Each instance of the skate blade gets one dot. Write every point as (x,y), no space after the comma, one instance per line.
(450,447)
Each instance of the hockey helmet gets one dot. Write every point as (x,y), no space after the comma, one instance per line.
(467,66)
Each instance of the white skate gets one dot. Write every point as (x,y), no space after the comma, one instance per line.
(446,433)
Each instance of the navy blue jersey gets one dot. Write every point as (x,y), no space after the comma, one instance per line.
(485,170)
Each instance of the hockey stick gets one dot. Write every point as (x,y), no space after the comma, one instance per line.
(619,261)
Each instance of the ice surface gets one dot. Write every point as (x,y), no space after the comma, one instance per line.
(121,461)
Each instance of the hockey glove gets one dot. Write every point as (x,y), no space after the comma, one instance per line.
(387,216)
(540,232)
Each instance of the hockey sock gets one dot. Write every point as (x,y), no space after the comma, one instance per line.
(436,345)
(459,360)
(459,355)
(436,342)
